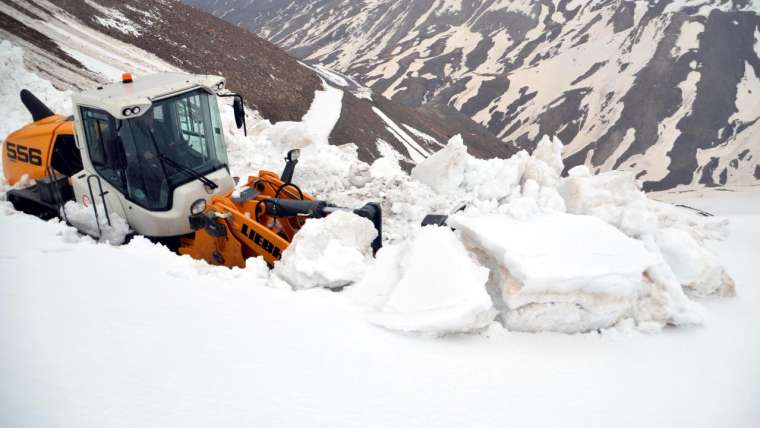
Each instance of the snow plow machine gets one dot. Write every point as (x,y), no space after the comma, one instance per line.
(152,151)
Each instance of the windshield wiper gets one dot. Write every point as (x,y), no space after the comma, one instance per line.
(189,171)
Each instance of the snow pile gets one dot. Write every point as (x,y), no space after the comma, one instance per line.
(519,186)
(15,78)
(695,267)
(315,127)
(444,170)
(430,285)
(329,252)
(675,235)
(572,273)
(83,218)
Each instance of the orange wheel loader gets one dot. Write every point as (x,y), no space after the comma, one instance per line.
(152,151)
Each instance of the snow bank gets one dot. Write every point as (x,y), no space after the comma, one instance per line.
(329,252)
(521,185)
(430,285)
(15,77)
(83,218)
(522,188)
(575,253)
(444,170)
(613,197)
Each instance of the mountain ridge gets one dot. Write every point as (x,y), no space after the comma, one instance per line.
(661,88)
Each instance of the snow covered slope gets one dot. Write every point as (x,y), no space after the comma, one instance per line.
(666,89)
(102,38)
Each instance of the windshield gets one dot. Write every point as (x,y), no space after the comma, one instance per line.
(177,140)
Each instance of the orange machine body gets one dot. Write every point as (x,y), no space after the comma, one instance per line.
(250,231)
(28,151)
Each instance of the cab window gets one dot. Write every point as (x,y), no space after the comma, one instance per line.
(103,145)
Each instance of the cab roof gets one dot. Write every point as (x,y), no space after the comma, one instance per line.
(143,90)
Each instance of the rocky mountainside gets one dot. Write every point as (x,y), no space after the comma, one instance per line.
(666,88)
(279,86)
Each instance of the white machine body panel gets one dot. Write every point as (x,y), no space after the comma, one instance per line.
(174,222)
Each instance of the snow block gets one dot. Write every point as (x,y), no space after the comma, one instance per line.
(558,272)
(329,252)
(430,285)
(697,269)
(444,170)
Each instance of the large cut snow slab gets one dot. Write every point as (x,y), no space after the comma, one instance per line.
(558,272)
(430,285)
(561,253)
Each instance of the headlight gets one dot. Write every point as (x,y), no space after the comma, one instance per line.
(131,111)
(198,207)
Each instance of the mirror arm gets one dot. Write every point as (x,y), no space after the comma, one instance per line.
(290,165)
(287,173)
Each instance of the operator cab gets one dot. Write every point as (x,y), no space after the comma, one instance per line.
(175,141)
(157,145)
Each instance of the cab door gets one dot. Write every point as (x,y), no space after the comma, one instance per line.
(101,181)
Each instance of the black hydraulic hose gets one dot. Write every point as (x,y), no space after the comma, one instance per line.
(281,188)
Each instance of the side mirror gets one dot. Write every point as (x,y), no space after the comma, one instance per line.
(293,155)
(237,105)
(239,108)
(290,166)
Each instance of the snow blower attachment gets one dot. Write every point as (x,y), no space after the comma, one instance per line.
(150,152)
